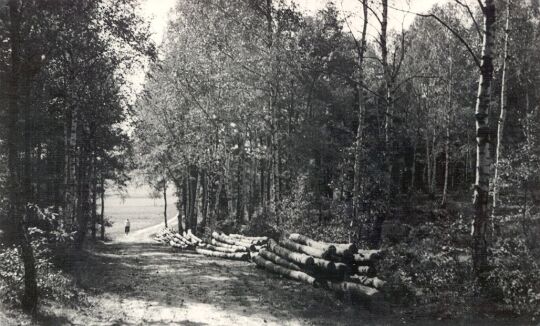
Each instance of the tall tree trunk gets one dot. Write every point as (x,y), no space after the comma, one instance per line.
(102,215)
(93,180)
(192,186)
(388,103)
(218,197)
(82,198)
(502,116)
(428,164)
(447,138)
(165,202)
(481,187)
(71,158)
(357,179)
(433,185)
(413,167)
(185,202)
(15,193)
(239,186)
(204,197)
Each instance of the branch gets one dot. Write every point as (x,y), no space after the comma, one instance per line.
(375,14)
(466,6)
(481,5)
(456,34)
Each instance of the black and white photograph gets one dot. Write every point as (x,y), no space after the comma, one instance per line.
(269,162)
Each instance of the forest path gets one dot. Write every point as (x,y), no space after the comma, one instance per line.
(145,235)
(133,281)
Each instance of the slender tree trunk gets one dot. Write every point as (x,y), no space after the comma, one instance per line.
(82,198)
(413,167)
(218,197)
(502,116)
(428,164)
(16,196)
(357,179)
(433,185)
(481,187)
(193,181)
(93,180)
(204,198)
(240,186)
(165,202)
(388,103)
(70,196)
(185,202)
(102,215)
(447,139)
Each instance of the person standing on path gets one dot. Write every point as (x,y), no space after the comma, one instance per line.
(127,226)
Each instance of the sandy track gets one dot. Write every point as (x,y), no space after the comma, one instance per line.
(147,284)
(144,235)
(134,281)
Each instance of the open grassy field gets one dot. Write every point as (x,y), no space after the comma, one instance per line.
(138,206)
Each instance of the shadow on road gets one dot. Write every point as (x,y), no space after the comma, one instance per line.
(144,283)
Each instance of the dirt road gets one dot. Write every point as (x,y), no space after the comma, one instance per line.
(134,281)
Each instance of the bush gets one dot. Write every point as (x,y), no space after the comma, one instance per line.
(49,238)
(514,278)
(52,283)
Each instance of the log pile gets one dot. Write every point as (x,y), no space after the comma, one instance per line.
(232,246)
(340,267)
(187,240)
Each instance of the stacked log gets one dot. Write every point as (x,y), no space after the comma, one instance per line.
(232,246)
(340,267)
(174,239)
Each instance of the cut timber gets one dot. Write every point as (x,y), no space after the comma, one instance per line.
(182,239)
(366,270)
(278,260)
(232,235)
(342,247)
(357,290)
(217,243)
(326,266)
(327,248)
(217,248)
(295,275)
(231,241)
(361,260)
(342,270)
(253,240)
(346,251)
(346,259)
(177,245)
(312,251)
(188,239)
(230,255)
(374,282)
(193,236)
(368,254)
(295,257)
